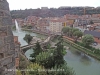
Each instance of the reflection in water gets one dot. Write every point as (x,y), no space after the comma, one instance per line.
(77,53)
(28,52)
(85,60)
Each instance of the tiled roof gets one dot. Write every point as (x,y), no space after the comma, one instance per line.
(94,33)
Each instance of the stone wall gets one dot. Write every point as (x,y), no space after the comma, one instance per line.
(4,5)
(7,44)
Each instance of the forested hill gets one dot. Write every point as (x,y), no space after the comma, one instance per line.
(52,12)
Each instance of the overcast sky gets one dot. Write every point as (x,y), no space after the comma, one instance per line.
(23,4)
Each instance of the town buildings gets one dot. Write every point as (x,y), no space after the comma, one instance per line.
(55,24)
(42,24)
(31,20)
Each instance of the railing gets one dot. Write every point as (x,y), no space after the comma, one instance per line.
(26,46)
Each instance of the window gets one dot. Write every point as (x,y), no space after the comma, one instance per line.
(1,55)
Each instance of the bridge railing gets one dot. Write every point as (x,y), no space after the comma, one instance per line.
(26,45)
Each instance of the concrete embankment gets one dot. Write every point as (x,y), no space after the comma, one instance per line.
(36,31)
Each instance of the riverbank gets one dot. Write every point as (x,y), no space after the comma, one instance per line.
(36,31)
(84,50)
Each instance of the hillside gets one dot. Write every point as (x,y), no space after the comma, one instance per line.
(52,12)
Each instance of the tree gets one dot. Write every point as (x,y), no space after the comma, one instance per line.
(18,72)
(22,61)
(36,50)
(63,70)
(77,34)
(28,38)
(87,39)
(70,32)
(73,30)
(45,59)
(65,30)
(58,53)
(36,69)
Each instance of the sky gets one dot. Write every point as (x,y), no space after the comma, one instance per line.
(23,4)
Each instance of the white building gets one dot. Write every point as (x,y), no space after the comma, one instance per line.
(56,26)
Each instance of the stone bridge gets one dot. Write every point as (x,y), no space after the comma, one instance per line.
(25,47)
(44,43)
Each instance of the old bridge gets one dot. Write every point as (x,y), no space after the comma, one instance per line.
(45,42)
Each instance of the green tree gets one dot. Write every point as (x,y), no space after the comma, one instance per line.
(87,39)
(65,30)
(36,69)
(45,59)
(62,70)
(22,61)
(28,38)
(58,53)
(70,33)
(18,72)
(36,50)
(77,34)
(73,30)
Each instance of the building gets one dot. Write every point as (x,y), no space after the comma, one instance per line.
(8,46)
(95,20)
(56,25)
(44,8)
(43,24)
(83,22)
(31,21)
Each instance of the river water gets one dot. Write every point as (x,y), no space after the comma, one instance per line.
(82,64)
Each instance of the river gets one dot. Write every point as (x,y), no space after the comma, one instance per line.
(82,64)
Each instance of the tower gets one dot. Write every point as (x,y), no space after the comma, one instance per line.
(7,45)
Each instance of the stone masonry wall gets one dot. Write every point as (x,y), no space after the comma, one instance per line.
(7,45)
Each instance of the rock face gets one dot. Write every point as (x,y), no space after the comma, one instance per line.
(8,47)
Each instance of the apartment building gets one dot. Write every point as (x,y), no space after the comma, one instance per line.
(56,25)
